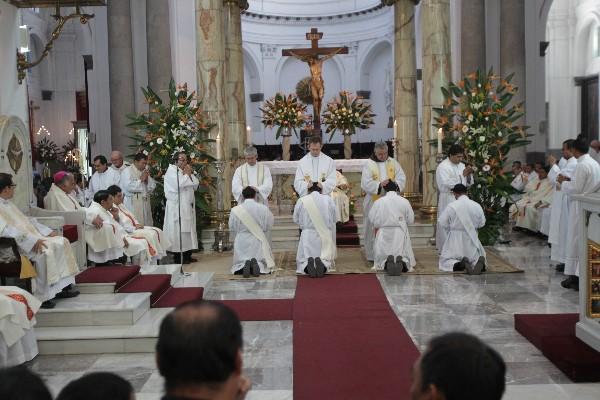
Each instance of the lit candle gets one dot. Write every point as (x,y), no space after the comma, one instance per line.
(395,131)
(440,137)
(218,144)
(248,135)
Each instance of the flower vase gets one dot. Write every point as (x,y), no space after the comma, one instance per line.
(286,144)
(46,172)
(347,146)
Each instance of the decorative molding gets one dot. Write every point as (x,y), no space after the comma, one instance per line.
(300,20)
(353,48)
(392,2)
(268,51)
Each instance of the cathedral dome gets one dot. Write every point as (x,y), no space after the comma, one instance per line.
(311,8)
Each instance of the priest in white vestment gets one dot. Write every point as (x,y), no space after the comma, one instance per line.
(450,172)
(185,199)
(157,242)
(17,319)
(377,172)
(586,179)
(51,253)
(390,216)
(315,215)
(252,174)
(103,177)
(460,220)
(251,221)
(340,198)
(98,236)
(137,186)
(559,212)
(595,150)
(117,163)
(315,167)
(527,211)
(530,177)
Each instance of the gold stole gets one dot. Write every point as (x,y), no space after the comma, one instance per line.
(390,169)
(260,175)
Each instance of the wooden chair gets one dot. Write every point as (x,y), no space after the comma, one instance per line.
(10,262)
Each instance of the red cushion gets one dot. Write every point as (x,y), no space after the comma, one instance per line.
(70,232)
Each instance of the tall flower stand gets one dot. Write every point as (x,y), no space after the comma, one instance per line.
(221,232)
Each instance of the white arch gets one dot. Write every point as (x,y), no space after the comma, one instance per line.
(251,66)
(369,56)
(582,36)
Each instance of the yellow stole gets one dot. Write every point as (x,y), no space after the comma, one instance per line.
(390,169)
(260,175)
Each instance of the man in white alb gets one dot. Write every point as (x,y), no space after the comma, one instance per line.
(252,174)
(103,177)
(181,171)
(586,179)
(117,163)
(390,216)
(315,168)
(460,220)
(449,173)
(340,198)
(315,214)
(251,222)
(595,150)
(377,172)
(137,186)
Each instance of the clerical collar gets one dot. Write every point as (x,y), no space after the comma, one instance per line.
(315,156)
(4,201)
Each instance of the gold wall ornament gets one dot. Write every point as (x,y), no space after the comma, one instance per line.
(15,153)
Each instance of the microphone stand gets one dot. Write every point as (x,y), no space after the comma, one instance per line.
(181,271)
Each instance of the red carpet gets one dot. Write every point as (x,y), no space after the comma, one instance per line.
(263,309)
(173,297)
(348,343)
(117,274)
(346,235)
(156,284)
(554,336)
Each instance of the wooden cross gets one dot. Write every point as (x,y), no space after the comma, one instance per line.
(311,57)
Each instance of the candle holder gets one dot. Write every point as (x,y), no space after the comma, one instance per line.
(221,243)
(432,241)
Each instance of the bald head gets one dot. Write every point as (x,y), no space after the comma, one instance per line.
(595,144)
(116,158)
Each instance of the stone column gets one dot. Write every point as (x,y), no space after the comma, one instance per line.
(234,59)
(211,74)
(472,36)
(512,56)
(120,61)
(158,37)
(435,25)
(405,92)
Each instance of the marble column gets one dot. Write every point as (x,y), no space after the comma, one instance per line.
(472,36)
(234,60)
(158,37)
(121,77)
(405,92)
(212,75)
(512,57)
(435,25)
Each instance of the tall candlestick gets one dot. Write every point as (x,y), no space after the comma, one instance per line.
(440,137)
(395,131)
(218,144)
(248,135)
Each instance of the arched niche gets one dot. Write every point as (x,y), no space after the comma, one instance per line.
(15,159)
(377,77)
(252,85)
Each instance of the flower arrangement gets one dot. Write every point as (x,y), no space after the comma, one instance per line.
(477,113)
(346,113)
(47,150)
(176,125)
(284,112)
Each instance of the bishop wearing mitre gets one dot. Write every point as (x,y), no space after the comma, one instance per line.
(315,168)
(252,174)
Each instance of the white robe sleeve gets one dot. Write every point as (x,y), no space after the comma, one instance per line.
(267,185)
(480,220)
(270,219)
(576,184)
(151,185)
(297,212)
(400,177)
(43,229)
(23,239)
(330,178)
(374,214)
(236,184)
(445,219)
(367,183)
(445,178)
(300,185)
(234,223)
(409,214)
(129,185)
(553,174)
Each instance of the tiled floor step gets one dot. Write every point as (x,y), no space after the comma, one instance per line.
(157,285)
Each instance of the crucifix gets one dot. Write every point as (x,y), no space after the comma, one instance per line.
(315,63)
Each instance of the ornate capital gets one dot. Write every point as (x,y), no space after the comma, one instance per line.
(242,4)
(391,2)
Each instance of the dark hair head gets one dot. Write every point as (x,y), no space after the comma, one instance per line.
(314,188)
(97,386)
(5,180)
(516,164)
(101,195)
(455,149)
(248,192)
(102,159)
(569,143)
(546,168)
(113,190)
(198,343)
(315,139)
(540,164)
(140,156)
(530,165)
(581,146)
(459,188)
(391,187)
(462,367)
(19,383)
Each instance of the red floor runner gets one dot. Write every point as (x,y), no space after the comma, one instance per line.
(156,284)
(554,336)
(348,343)
(117,274)
(173,297)
(263,309)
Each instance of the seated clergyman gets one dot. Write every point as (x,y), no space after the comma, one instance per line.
(315,214)
(390,216)
(462,249)
(157,242)
(527,211)
(51,253)
(251,222)
(340,198)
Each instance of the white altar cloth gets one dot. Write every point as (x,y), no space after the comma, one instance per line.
(289,167)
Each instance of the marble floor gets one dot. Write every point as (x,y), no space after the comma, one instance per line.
(427,306)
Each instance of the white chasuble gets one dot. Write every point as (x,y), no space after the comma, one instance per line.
(187,187)
(257,176)
(315,169)
(137,194)
(559,215)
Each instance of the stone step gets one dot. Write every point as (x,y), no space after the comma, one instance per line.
(95,310)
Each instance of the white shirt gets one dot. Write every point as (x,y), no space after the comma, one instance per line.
(102,180)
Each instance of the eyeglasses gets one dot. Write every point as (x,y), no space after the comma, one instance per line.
(14,185)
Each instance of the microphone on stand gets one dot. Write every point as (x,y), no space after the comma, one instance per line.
(176,161)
